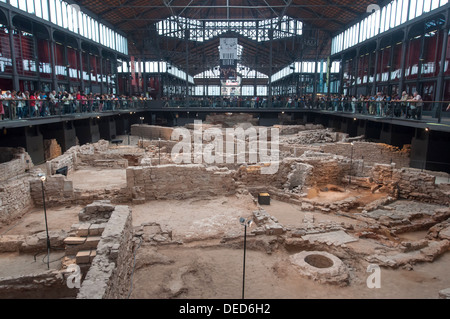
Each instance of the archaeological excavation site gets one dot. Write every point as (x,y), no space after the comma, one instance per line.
(176,213)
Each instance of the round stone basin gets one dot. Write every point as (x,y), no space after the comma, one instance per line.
(321,266)
(319,261)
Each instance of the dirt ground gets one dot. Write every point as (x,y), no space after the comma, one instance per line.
(197,219)
(216,273)
(59,218)
(17,264)
(204,268)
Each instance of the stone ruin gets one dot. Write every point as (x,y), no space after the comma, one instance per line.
(314,162)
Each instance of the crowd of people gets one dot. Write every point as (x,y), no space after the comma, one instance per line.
(18,105)
(404,105)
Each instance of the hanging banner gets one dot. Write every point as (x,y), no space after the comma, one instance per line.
(228,48)
(228,70)
(139,74)
(133,71)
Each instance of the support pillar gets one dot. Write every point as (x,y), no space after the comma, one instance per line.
(15,75)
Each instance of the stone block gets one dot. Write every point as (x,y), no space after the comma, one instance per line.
(74,240)
(92,255)
(83,257)
(83,230)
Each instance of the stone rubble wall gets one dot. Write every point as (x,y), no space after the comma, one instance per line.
(59,191)
(179,181)
(110,273)
(327,168)
(151,131)
(230,120)
(71,158)
(51,149)
(370,153)
(49,284)
(15,199)
(411,183)
(14,162)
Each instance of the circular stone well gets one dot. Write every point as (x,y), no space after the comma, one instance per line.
(321,266)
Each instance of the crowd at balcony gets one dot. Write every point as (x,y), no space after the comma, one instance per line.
(25,105)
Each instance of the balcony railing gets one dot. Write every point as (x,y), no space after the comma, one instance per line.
(11,109)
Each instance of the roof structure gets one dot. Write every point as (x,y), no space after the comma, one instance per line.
(138,19)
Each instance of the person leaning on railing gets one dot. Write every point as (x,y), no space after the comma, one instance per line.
(416,106)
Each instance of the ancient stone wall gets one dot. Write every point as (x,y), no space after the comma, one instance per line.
(411,183)
(13,162)
(370,153)
(15,199)
(75,155)
(51,149)
(327,168)
(151,131)
(49,284)
(110,272)
(14,185)
(230,120)
(179,181)
(58,191)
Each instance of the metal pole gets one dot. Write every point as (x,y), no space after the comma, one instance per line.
(351,166)
(245,248)
(46,226)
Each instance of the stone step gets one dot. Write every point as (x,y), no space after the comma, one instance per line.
(74,245)
(88,229)
(74,240)
(85,256)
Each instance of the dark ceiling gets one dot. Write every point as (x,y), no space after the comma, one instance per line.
(321,20)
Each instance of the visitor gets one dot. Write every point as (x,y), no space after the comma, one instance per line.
(404,104)
(7,103)
(52,102)
(354,101)
(416,106)
(20,97)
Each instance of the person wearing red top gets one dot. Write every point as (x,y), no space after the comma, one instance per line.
(33,98)
(78,98)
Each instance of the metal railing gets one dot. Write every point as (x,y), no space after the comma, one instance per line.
(14,109)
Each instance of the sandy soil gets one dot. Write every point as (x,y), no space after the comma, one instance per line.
(98,178)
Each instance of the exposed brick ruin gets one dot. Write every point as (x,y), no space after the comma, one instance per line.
(313,161)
